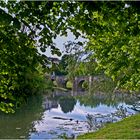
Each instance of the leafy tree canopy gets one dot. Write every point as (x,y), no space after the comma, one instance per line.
(25,27)
(113,32)
(111,27)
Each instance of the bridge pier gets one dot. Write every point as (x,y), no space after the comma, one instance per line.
(90,83)
(77,83)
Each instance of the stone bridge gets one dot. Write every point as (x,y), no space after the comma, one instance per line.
(77,82)
(61,81)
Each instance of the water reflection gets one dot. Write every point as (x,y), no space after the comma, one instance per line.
(97,121)
(19,125)
(68,111)
(65,113)
(67,104)
(92,100)
(110,100)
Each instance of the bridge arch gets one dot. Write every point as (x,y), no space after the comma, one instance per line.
(77,82)
(61,81)
(80,84)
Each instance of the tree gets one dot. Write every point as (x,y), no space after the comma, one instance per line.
(25,27)
(62,66)
(113,32)
(111,27)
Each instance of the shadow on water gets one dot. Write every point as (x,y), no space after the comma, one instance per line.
(19,124)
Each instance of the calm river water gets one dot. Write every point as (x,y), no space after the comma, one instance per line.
(58,114)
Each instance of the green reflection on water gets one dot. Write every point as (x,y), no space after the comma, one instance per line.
(19,124)
(67,104)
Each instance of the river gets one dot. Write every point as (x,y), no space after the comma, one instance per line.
(59,114)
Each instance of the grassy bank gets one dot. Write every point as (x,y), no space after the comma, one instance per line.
(129,128)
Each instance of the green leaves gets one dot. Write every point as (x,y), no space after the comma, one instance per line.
(117,49)
(5,19)
(6,107)
(55,50)
(112,30)
(16,23)
(23,27)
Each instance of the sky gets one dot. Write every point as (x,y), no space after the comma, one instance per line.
(60,40)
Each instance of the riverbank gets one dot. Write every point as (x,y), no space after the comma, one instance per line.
(68,86)
(128,128)
(60,88)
